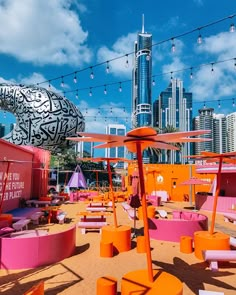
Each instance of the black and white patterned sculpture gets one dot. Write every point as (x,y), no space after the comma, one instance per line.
(43,118)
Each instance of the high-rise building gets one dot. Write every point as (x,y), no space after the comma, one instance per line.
(204,122)
(116,152)
(142,81)
(175,111)
(85,149)
(231,132)
(219,134)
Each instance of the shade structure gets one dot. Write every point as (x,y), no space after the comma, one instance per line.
(192,181)
(77,179)
(136,141)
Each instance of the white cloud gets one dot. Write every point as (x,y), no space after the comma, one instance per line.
(222,45)
(220,48)
(124,45)
(43,32)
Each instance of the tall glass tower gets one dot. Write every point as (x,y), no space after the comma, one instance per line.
(142,80)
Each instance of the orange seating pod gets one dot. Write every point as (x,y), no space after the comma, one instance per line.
(37,289)
(203,240)
(107,286)
(138,283)
(106,249)
(120,237)
(186,244)
(141,246)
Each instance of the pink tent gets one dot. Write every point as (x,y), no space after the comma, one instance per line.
(77,179)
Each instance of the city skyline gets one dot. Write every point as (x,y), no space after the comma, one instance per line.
(81,41)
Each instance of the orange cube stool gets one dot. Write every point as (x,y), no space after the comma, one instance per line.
(107,286)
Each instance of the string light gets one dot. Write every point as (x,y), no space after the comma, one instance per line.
(204,106)
(75,78)
(171,76)
(91,73)
(172,45)
(199,38)
(155,44)
(232,28)
(90,91)
(105,89)
(120,87)
(49,84)
(212,68)
(233,103)
(77,95)
(219,104)
(127,61)
(108,68)
(153,82)
(235,63)
(62,81)
(191,73)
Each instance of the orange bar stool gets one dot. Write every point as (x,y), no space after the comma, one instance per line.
(106,249)
(141,247)
(107,286)
(186,244)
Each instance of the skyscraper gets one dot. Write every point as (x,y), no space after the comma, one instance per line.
(142,80)
(175,111)
(116,152)
(231,132)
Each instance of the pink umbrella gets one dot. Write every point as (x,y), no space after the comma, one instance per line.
(192,181)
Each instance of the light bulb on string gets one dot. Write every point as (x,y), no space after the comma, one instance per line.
(64,94)
(171,76)
(91,73)
(107,68)
(86,111)
(127,61)
(99,112)
(77,94)
(105,89)
(173,45)
(204,106)
(235,63)
(124,110)
(233,103)
(191,73)
(219,104)
(111,111)
(90,91)
(232,28)
(75,78)
(212,68)
(62,81)
(153,82)
(120,87)
(148,57)
(49,84)
(199,38)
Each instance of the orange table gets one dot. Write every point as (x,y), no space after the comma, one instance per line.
(52,212)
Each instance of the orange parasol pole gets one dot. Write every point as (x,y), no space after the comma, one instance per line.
(216,196)
(145,218)
(112,193)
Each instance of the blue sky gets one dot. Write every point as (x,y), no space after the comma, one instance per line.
(42,40)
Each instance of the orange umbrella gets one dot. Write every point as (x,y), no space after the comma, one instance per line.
(136,141)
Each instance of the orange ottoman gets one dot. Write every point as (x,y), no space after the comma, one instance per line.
(106,286)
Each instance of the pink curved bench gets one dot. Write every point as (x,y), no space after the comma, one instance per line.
(37,251)
(182,223)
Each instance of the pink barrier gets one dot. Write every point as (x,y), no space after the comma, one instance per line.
(183,224)
(32,252)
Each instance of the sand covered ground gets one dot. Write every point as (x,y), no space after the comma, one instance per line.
(79,273)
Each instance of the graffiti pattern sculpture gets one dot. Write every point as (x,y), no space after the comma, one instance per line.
(43,118)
